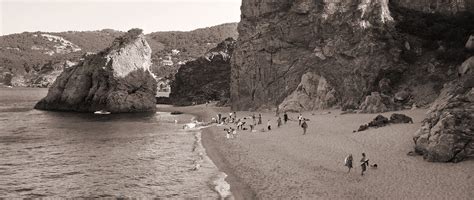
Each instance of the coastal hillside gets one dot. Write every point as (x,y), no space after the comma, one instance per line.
(35,59)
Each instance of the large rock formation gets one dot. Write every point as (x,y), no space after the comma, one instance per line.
(359,47)
(447,133)
(204,79)
(117,79)
(345,42)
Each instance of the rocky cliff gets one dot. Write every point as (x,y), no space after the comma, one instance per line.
(447,133)
(118,79)
(206,78)
(356,47)
(347,43)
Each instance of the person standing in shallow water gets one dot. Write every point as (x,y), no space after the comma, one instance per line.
(259,118)
(364,162)
(300,118)
(279,121)
(285,117)
(348,162)
(304,125)
(254,119)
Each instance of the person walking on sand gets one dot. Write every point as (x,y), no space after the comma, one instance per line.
(364,162)
(304,125)
(259,118)
(254,119)
(300,118)
(279,121)
(285,117)
(348,162)
(269,125)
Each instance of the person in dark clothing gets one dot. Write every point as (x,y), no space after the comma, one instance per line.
(279,121)
(304,125)
(259,118)
(285,117)
(364,162)
(348,162)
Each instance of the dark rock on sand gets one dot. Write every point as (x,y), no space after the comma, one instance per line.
(396,118)
(447,133)
(117,80)
(381,121)
(204,79)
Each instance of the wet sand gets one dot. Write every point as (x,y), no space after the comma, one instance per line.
(283,163)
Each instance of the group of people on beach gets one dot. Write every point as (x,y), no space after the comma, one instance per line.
(257,120)
(364,163)
(242,124)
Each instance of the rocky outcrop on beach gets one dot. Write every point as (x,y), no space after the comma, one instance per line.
(381,121)
(447,133)
(358,47)
(204,79)
(117,79)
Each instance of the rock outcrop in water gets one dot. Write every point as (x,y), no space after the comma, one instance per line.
(447,134)
(118,79)
(204,79)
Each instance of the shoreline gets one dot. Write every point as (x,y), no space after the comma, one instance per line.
(239,189)
(283,163)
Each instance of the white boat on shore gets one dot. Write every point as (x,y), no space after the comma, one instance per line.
(102,112)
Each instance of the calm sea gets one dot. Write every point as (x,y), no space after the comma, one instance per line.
(70,155)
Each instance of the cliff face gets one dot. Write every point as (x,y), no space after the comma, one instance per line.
(357,47)
(117,79)
(204,79)
(348,43)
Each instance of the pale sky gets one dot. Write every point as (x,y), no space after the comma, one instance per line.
(17,16)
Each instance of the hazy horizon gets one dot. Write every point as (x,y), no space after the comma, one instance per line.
(19,16)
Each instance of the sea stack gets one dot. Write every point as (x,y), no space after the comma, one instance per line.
(117,79)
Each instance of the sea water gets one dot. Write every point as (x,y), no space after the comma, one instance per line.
(71,155)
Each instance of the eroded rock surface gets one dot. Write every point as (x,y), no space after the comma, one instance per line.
(118,79)
(447,133)
(312,93)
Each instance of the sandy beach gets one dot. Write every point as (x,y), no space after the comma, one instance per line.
(284,164)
